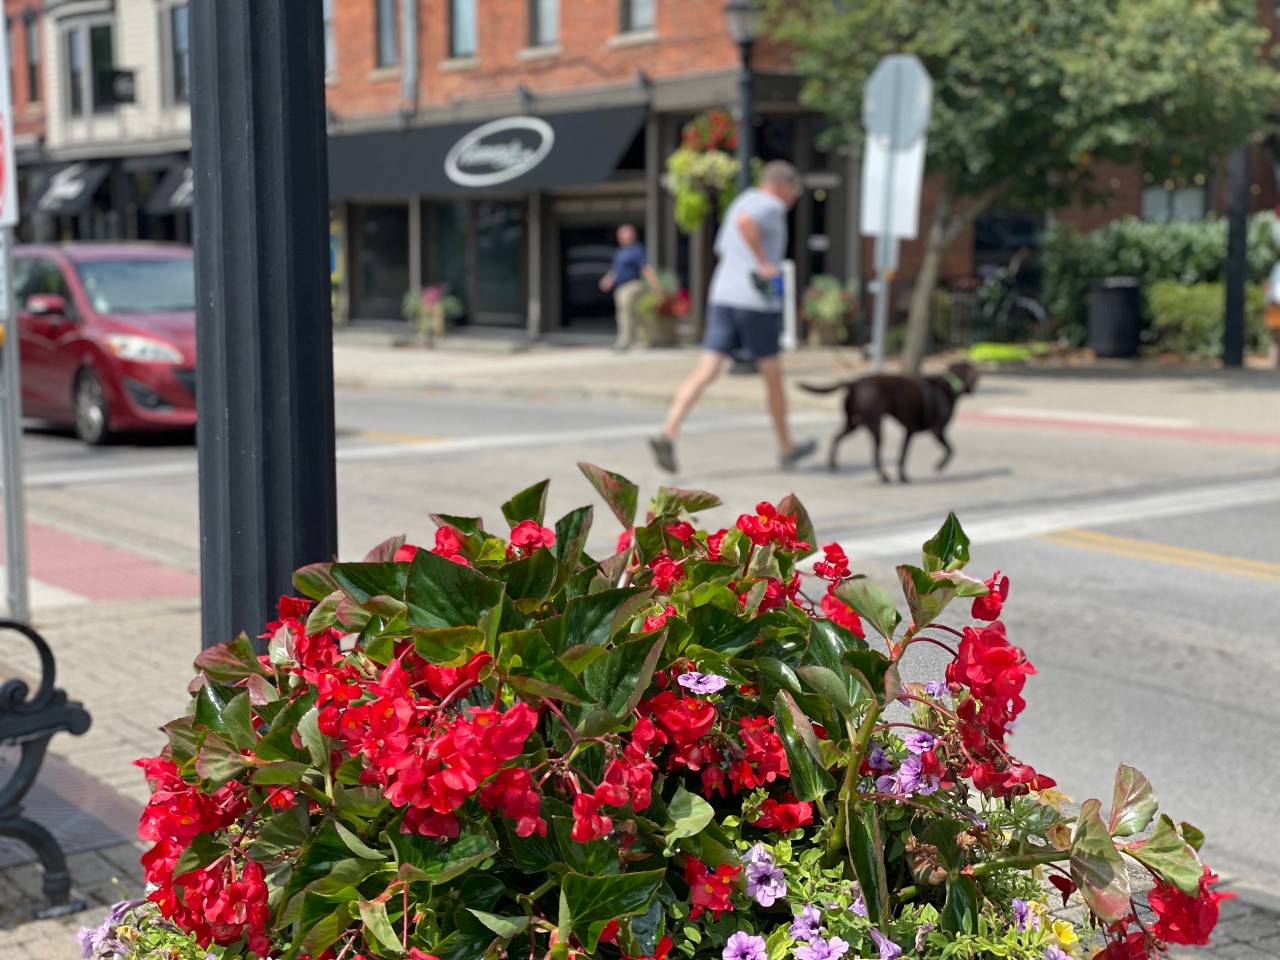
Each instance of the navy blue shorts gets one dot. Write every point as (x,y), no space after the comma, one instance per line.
(730,329)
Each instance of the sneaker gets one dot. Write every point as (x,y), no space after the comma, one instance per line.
(798,453)
(664,451)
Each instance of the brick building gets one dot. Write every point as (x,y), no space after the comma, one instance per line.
(495,145)
(22,20)
(114,76)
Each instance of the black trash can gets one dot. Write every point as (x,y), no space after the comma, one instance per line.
(1115,317)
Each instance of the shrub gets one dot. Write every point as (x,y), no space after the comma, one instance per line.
(1189,252)
(502,747)
(1189,320)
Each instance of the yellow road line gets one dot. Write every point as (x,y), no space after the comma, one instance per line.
(1164,553)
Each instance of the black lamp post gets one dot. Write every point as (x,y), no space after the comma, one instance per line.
(744,20)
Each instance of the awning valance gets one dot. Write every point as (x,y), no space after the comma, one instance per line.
(67,191)
(174,193)
(520,153)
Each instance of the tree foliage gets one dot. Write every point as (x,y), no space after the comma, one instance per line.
(1030,95)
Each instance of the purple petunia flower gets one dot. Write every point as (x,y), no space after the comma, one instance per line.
(1023,916)
(908,779)
(1054,952)
(90,939)
(743,946)
(807,924)
(918,742)
(696,682)
(936,689)
(766,883)
(888,949)
(876,759)
(759,853)
(859,906)
(820,949)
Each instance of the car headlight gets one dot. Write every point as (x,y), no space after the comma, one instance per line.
(143,349)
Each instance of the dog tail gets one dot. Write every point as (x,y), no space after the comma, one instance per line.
(830,388)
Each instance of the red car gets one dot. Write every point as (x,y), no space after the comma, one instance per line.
(108,336)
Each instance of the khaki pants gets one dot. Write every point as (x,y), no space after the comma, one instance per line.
(624,298)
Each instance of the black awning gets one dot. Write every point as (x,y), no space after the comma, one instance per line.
(67,191)
(174,194)
(523,153)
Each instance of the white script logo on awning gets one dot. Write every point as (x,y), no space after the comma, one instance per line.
(499,152)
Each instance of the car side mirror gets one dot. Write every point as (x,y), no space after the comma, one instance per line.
(47,305)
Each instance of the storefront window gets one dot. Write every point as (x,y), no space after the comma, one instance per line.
(449,251)
(382,261)
(500,262)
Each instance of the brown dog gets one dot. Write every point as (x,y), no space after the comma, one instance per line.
(918,403)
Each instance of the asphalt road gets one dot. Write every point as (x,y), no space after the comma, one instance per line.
(1145,569)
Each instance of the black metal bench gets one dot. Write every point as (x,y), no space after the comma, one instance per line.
(30,721)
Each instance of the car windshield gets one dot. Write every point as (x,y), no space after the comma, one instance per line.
(139,286)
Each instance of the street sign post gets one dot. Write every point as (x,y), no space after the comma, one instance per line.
(897,106)
(15,516)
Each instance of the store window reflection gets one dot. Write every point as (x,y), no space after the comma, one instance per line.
(382,261)
(500,296)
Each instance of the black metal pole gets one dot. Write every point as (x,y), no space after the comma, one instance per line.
(264,331)
(746,129)
(1237,243)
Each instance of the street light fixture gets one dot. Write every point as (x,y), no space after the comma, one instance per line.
(744,25)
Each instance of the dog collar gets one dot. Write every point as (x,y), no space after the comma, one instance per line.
(958,385)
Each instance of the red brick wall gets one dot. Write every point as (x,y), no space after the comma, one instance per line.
(693,38)
(28,117)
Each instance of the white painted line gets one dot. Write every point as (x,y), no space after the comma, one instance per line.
(1078,416)
(982,530)
(356,452)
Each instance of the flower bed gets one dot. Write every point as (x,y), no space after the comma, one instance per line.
(501,747)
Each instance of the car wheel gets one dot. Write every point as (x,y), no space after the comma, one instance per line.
(93,419)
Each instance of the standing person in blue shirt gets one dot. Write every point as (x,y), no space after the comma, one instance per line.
(744,308)
(627,278)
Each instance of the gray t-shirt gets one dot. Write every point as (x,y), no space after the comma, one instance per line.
(731,283)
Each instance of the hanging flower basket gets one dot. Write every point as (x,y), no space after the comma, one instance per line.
(702,174)
(699,746)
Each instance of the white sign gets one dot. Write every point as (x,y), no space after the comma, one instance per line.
(902,194)
(499,152)
(8,169)
(898,100)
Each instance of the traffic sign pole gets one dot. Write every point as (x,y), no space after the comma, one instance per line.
(15,509)
(15,513)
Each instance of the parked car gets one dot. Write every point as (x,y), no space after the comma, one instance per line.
(108,335)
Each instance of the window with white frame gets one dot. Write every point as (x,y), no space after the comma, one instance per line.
(462,28)
(33,56)
(544,22)
(1165,203)
(637,15)
(88,50)
(388,33)
(179,55)
(330,46)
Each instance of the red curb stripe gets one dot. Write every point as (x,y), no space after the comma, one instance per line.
(1200,434)
(98,571)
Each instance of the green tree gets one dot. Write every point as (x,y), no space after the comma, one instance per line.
(1029,95)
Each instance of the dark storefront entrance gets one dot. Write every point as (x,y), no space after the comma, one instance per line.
(474,210)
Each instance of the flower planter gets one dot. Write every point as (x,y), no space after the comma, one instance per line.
(499,745)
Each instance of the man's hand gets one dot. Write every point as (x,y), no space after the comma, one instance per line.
(606,282)
(766,270)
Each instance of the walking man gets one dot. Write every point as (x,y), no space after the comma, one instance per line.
(627,278)
(744,309)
